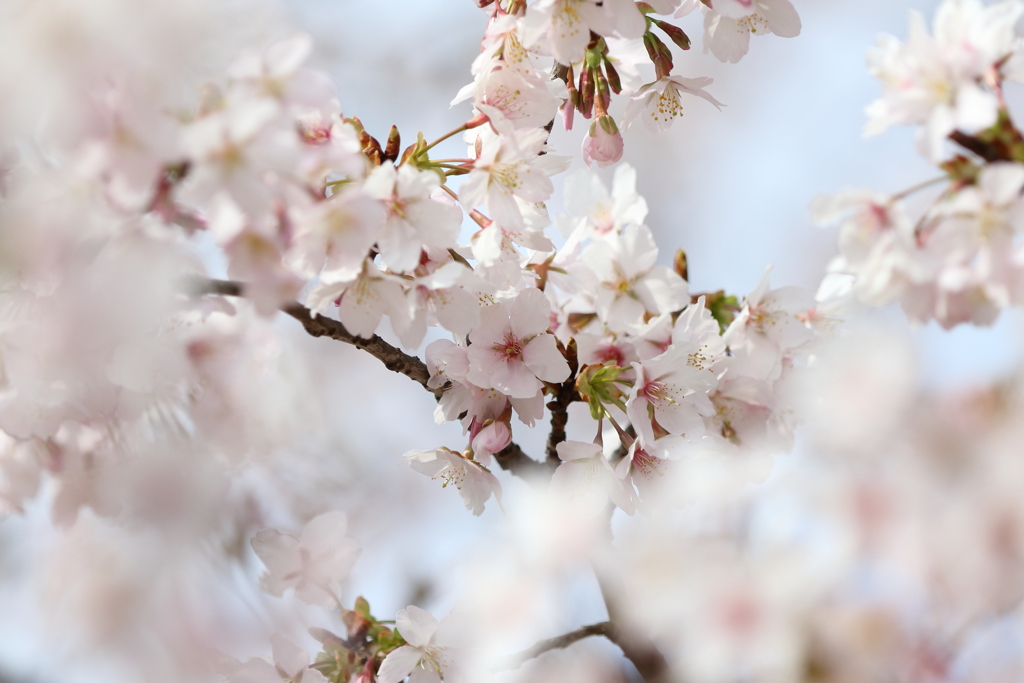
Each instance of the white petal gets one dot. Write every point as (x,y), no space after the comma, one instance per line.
(399,663)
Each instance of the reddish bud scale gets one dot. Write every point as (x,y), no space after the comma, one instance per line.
(659,53)
(394,144)
(675,34)
(586,92)
(603,99)
(613,77)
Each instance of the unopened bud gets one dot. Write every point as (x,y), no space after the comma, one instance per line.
(613,77)
(659,54)
(603,145)
(680,265)
(394,144)
(674,33)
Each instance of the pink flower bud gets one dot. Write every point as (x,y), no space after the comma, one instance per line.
(603,144)
(491,439)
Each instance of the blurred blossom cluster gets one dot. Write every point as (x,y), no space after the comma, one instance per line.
(183,203)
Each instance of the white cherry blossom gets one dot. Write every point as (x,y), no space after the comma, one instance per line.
(314,564)
(630,282)
(587,198)
(562,27)
(474,483)
(936,80)
(586,480)
(510,166)
(658,103)
(290,664)
(414,218)
(333,237)
(728,24)
(428,657)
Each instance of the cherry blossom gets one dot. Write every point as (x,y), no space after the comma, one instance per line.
(290,664)
(586,478)
(509,167)
(426,657)
(631,283)
(512,351)
(314,564)
(936,80)
(728,24)
(659,104)
(333,237)
(414,219)
(587,199)
(563,26)
(474,483)
(671,391)
(511,100)
(603,143)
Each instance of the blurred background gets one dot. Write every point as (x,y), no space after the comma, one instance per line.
(731,188)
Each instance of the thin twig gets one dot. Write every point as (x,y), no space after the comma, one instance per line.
(560,642)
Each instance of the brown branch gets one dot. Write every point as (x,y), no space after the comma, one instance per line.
(316,325)
(564,395)
(513,459)
(986,150)
(560,642)
(636,646)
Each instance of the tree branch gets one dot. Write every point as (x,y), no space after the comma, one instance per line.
(636,646)
(559,406)
(560,642)
(316,325)
(512,459)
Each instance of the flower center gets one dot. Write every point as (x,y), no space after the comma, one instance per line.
(645,464)
(667,106)
(756,23)
(511,347)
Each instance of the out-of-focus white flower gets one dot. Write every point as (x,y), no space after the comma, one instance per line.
(587,198)
(937,80)
(314,564)
(290,664)
(414,218)
(586,480)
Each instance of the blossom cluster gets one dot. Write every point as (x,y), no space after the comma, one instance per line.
(645,352)
(958,258)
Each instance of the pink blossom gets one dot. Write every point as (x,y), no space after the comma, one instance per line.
(512,351)
(603,144)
